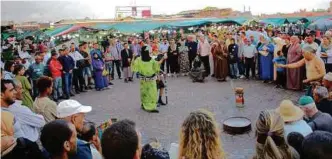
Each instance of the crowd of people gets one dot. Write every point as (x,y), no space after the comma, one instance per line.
(36,77)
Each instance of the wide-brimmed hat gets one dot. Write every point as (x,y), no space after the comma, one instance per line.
(289,112)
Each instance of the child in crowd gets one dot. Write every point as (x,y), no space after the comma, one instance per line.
(281,72)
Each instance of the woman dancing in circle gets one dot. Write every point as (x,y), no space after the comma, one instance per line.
(148,69)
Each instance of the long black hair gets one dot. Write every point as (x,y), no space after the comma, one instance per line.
(145,54)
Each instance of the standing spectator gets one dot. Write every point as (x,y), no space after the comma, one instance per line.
(68,65)
(43,105)
(9,68)
(294,76)
(56,70)
(266,50)
(87,67)
(286,46)
(109,63)
(321,95)
(183,58)
(19,71)
(116,54)
(325,52)
(135,48)
(293,118)
(30,123)
(98,67)
(271,142)
(327,82)
(90,135)
(240,62)
(219,52)
(199,137)
(281,72)
(74,112)
(163,49)
(316,119)
(35,71)
(172,55)
(233,50)
(249,52)
(63,143)
(126,56)
(78,80)
(192,49)
(317,145)
(204,52)
(122,141)
(96,50)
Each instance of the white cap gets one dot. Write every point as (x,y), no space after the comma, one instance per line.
(328,76)
(70,107)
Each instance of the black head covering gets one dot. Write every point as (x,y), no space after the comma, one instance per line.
(145,54)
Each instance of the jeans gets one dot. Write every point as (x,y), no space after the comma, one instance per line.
(78,79)
(117,64)
(233,70)
(67,80)
(87,71)
(240,66)
(57,90)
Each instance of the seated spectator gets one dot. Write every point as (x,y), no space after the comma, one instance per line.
(121,141)
(295,140)
(317,145)
(9,68)
(293,118)
(19,71)
(200,137)
(89,134)
(29,123)
(316,119)
(74,112)
(62,144)
(321,99)
(327,82)
(271,141)
(43,105)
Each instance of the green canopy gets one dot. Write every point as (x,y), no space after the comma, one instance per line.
(188,23)
(135,27)
(57,30)
(274,21)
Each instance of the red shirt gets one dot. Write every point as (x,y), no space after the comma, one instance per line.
(55,68)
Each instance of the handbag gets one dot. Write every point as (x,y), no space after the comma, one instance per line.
(105,72)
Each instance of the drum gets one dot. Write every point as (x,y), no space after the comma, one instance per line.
(237,125)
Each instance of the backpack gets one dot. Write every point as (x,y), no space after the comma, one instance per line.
(24,149)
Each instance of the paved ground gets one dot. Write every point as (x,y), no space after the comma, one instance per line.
(122,101)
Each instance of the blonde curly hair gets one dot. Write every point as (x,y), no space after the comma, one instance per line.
(199,137)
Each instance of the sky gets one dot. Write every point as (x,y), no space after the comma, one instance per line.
(45,11)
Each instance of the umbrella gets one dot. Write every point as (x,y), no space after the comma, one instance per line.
(321,24)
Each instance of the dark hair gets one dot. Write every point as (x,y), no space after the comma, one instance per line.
(279,53)
(88,131)
(295,140)
(53,142)
(3,84)
(8,65)
(17,69)
(317,145)
(232,39)
(43,83)
(60,50)
(120,140)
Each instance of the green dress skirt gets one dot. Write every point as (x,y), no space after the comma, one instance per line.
(148,88)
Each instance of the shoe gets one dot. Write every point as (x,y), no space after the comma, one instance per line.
(66,97)
(98,89)
(110,83)
(83,90)
(277,86)
(56,100)
(72,95)
(89,87)
(242,76)
(126,81)
(120,78)
(62,97)
(152,111)
(77,92)
(161,103)
(130,79)
(169,75)
(212,75)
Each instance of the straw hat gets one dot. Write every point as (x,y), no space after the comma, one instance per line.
(289,112)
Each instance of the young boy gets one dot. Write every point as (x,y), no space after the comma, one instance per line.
(281,72)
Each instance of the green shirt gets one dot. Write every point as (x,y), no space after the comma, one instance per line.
(36,71)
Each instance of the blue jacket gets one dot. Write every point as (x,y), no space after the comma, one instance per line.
(67,63)
(83,150)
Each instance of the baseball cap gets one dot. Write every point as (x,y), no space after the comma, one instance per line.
(70,107)
(306,101)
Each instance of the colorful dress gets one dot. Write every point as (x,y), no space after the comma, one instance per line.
(183,59)
(220,62)
(27,99)
(266,65)
(98,73)
(148,86)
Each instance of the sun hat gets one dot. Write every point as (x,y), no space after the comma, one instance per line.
(328,76)
(70,107)
(306,101)
(289,112)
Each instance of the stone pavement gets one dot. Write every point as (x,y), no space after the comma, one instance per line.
(122,101)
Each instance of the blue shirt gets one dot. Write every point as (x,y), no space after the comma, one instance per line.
(280,60)
(67,62)
(297,126)
(96,51)
(83,150)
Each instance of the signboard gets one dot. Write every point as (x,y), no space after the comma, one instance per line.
(133,11)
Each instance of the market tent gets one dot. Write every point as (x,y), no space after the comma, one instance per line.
(30,33)
(69,30)
(274,21)
(189,23)
(312,19)
(57,30)
(102,26)
(322,24)
(136,27)
(296,19)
